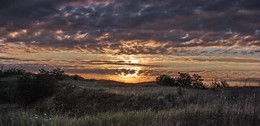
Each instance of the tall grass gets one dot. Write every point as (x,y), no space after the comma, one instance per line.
(192,115)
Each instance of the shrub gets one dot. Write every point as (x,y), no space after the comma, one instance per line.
(30,87)
(3,95)
(65,88)
(56,73)
(76,77)
(33,87)
(11,72)
(7,91)
(65,96)
(197,81)
(224,83)
(166,80)
(216,84)
(184,80)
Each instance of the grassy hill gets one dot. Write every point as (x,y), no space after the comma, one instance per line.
(107,103)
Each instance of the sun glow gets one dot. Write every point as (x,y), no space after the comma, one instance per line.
(129,59)
(129,75)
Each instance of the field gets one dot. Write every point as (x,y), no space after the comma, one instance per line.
(109,103)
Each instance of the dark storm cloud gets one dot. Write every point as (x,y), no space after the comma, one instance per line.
(105,24)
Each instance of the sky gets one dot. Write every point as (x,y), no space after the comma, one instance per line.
(133,40)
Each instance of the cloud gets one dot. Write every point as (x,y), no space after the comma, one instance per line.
(70,69)
(227,60)
(7,58)
(67,63)
(107,26)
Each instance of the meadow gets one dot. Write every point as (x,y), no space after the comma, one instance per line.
(75,101)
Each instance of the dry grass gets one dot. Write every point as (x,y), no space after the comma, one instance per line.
(191,115)
(106,103)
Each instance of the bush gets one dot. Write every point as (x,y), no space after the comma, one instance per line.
(65,96)
(197,81)
(166,80)
(33,87)
(224,83)
(6,92)
(30,87)
(216,84)
(184,80)
(76,77)
(4,97)
(11,72)
(64,89)
(59,74)
(56,73)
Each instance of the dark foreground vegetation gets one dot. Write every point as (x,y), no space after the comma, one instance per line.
(188,81)
(53,98)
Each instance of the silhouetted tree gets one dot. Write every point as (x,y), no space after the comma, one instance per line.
(197,81)
(184,79)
